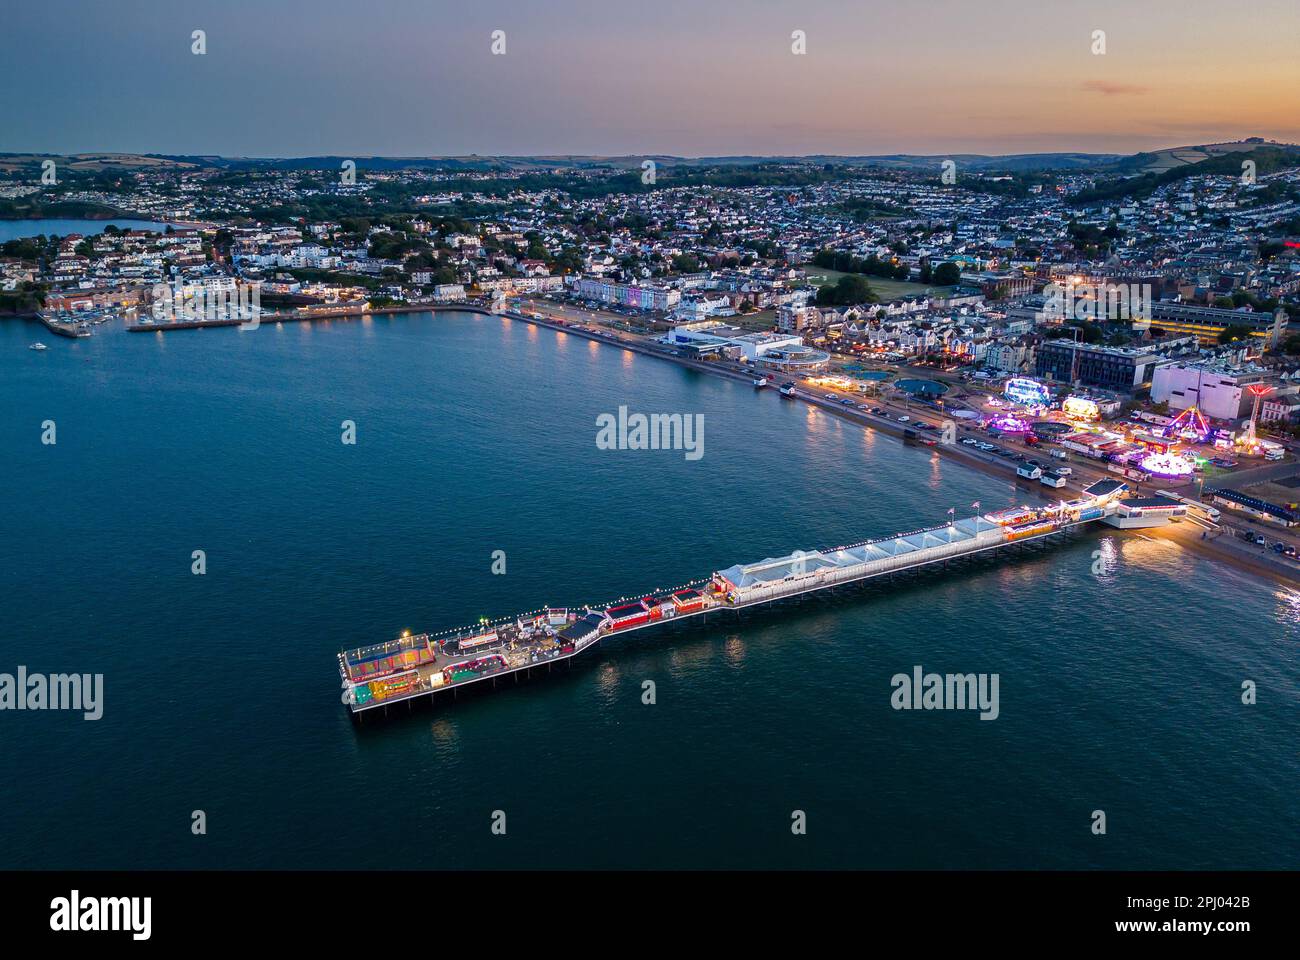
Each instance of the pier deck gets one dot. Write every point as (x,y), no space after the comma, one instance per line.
(425,665)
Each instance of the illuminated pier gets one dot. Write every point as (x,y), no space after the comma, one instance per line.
(410,667)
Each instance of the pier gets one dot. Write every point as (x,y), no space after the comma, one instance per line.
(309,314)
(425,665)
(72,328)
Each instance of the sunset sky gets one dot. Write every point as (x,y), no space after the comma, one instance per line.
(685,77)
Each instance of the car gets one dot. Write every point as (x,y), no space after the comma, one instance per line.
(1065,471)
(1259,539)
(877,410)
(904,418)
(1291,552)
(969,441)
(1279,547)
(847,403)
(829,396)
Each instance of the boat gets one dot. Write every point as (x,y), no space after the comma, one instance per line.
(38,346)
(787,389)
(760,381)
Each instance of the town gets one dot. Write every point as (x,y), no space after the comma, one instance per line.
(1137,298)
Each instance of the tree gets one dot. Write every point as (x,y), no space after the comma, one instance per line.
(850,289)
(947,274)
(1233,333)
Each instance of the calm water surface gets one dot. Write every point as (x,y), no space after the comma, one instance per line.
(1118,692)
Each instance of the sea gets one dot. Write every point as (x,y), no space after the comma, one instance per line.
(18,229)
(1148,704)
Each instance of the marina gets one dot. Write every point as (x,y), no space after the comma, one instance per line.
(409,667)
(64,324)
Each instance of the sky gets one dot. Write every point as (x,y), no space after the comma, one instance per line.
(283,78)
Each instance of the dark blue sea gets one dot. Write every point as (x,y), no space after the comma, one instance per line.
(1118,692)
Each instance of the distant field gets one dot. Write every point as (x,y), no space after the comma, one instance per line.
(885,289)
(820,276)
(1162,160)
(762,320)
(888,289)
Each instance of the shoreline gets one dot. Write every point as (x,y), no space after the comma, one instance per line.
(1228,554)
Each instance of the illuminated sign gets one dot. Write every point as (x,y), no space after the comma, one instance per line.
(1029,393)
(1080,408)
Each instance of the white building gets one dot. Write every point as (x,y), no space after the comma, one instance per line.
(449,291)
(1218,391)
(751,346)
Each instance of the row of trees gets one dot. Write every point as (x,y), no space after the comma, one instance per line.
(872,266)
(946,274)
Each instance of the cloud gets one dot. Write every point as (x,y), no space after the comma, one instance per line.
(1108,89)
